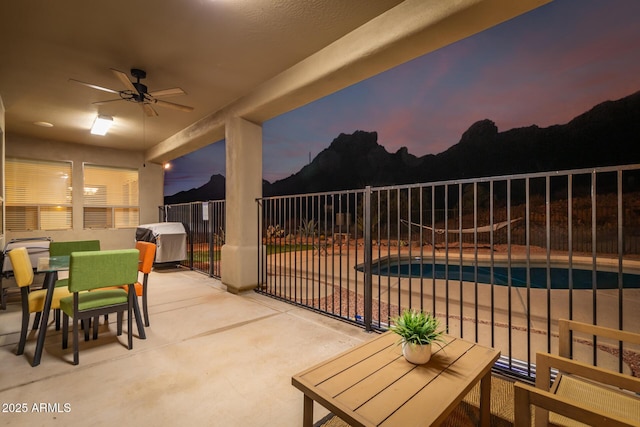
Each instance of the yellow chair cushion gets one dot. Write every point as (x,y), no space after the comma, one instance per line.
(36,299)
(23,271)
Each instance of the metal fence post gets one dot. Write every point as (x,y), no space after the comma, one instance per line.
(190,234)
(210,233)
(368,260)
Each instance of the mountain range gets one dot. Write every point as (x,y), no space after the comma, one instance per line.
(606,135)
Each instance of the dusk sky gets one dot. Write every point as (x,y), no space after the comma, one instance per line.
(542,68)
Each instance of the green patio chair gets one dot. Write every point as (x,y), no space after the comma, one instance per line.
(94,270)
(65,249)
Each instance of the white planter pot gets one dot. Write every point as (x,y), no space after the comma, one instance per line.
(416,353)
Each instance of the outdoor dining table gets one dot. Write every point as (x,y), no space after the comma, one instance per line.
(51,266)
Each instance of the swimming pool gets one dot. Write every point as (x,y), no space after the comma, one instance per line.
(582,279)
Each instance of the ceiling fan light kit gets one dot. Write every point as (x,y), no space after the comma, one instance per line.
(101,125)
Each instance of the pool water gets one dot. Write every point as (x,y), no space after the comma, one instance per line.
(582,279)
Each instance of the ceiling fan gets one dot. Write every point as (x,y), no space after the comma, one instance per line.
(138,93)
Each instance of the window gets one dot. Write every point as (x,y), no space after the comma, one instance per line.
(38,195)
(110,197)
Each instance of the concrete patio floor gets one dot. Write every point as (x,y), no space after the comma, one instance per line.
(210,358)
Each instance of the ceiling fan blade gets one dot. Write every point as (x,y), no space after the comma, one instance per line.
(173,105)
(107,101)
(124,79)
(94,86)
(167,92)
(149,110)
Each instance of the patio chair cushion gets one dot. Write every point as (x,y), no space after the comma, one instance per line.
(102,269)
(145,263)
(22,264)
(597,396)
(37,297)
(92,300)
(65,248)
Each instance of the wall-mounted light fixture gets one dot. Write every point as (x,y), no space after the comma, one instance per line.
(101,125)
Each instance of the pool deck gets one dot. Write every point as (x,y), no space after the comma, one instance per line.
(519,321)
(211,358)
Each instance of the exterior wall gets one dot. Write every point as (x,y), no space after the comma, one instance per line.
(151,182)
(2,172)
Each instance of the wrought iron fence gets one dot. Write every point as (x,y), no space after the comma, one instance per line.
(205,226)
(499,259)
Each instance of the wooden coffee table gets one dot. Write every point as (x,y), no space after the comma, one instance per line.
(373,385)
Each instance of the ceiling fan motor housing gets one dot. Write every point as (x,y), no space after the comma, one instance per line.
(142,89)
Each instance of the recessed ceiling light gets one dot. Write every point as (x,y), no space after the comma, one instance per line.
(43,124)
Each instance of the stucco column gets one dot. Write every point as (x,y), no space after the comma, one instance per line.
(243,148)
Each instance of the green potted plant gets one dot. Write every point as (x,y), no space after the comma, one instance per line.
(418,331)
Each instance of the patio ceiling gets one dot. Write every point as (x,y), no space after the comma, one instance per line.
(229,56)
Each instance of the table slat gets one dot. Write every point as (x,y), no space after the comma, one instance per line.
(335,365)
(378,407)
(381,378)
(436,401)
(350,377)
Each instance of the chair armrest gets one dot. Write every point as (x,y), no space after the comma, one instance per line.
(525,395)
(565,327)
(545,362)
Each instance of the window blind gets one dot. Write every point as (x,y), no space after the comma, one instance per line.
(110,197)
(38,195)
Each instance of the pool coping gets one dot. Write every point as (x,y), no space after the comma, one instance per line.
(630,266)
